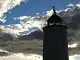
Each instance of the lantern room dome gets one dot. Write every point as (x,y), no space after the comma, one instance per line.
(54,18)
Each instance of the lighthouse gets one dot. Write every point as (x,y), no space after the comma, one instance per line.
(55,44)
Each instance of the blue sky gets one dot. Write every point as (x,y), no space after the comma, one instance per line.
(35,6)
(40,6)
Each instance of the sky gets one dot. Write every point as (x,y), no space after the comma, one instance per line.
(43,5)
(10,9)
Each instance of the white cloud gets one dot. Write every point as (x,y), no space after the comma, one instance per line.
(30,22)
(78,5)
(25,18)
(70,5)
(37,13)
(22,17)
(21,56)
(1,50)
(74,57)
(6,5)
(2,20)
(73,45)
(50,12)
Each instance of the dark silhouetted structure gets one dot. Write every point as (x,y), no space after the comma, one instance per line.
(55,39)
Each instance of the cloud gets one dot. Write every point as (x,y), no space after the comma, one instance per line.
(22,56)
(67,10)
(37,13)
(78,5)
(30,22)
(6,5)
(50,12)
(70,15)
(73,45)
(2,20)
(22,17)
(70,5)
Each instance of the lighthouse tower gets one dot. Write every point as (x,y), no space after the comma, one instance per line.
(55,39)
